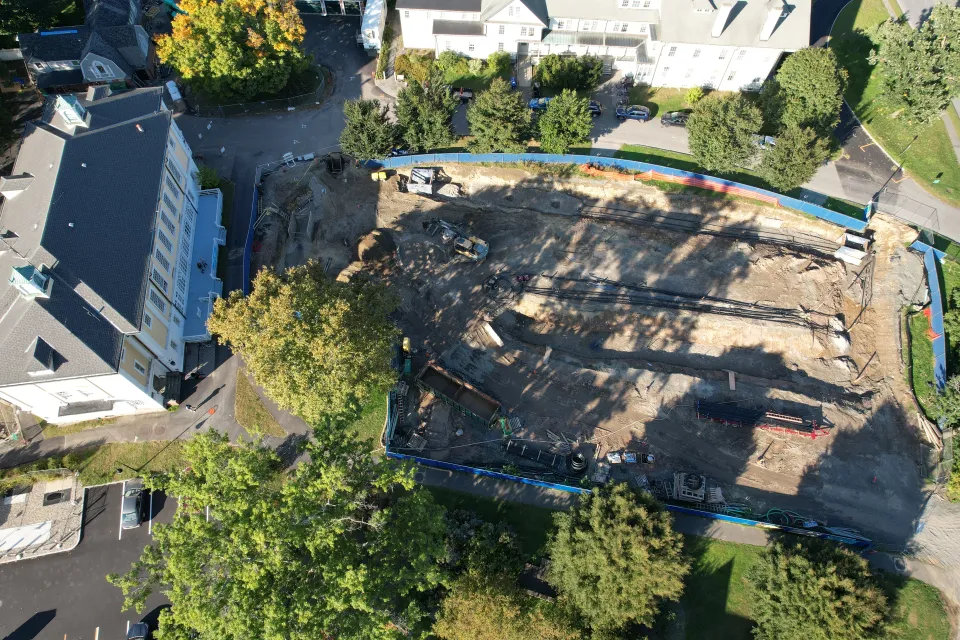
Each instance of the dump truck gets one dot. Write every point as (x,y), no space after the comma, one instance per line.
(468,246)
(460,395)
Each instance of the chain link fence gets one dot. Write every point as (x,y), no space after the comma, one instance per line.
(909,210)
(312,99)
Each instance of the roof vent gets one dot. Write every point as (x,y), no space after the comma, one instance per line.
(139,127)
(10,186)
(30,282)
(71,110)
(721,22)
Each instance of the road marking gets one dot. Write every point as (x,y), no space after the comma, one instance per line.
(150,516)
(128,626)
(123,489)
(863,147)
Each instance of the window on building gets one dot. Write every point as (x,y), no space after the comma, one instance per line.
(730,77)
(447,46)
(635,4)
(158,301)
(171,184)
(742,53)
(174,345)
(589,25)
(139,367)
(101,71)
(642,29)
(38,65)
(406,14)
(688,74)
(176,320)
(561,25)
(624,27)
(666,70)
(75,63)
(159,280)
(673,52)
(624,4)
(470,47)
(696,53)
(162,259)
(501,29)
(175,171)
(499,46)
(646,4)
(165,241)
(510,12)
(723,54)
(147,320)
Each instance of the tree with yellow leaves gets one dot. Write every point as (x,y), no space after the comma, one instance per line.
(235,48)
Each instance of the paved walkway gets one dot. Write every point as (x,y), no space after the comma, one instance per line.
(945,580)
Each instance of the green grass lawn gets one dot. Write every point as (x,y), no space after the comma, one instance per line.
(930,155)
(54,430)
(250,411)
(373,416)
(919,612)
(98,465)
(532,524)
(687,162)
(921,361)
(459,77)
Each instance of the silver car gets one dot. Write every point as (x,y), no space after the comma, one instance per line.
(130,510)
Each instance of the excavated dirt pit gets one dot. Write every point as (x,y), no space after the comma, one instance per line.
(788,329)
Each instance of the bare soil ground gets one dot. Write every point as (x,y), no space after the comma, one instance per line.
(607,376)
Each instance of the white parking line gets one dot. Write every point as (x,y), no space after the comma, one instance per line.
(128,626)
(150,516)
(123,490)
(96,634)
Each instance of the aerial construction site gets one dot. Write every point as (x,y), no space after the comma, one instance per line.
(576,329)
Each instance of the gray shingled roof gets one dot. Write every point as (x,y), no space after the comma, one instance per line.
(681,23)
(457,28)
(124,40)
(602,10)
(111,13)
(56,45)
(100,273)
(440,5)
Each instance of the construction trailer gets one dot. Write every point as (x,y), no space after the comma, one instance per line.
(732,415)
(461,395)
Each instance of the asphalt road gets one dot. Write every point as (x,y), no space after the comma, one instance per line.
(65,595)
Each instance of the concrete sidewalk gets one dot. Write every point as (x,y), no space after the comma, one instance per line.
(943,579)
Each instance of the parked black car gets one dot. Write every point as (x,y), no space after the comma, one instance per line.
(139,631)
(463,93)
(675,119)
(595,109)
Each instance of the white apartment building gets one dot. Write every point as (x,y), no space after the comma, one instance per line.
(721,44)
(98,239)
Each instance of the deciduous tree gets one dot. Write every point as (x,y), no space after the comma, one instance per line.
(720,132)
(319,348)
(345,547)
(615,558)
(499,120)
(235,48)
(815,591)
(565,123)
(806,92)
(28,16)
(794,159)
(425,114)
(569,72)
(921,67)
(368,133)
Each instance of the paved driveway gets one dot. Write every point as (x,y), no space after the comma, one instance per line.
(65,595)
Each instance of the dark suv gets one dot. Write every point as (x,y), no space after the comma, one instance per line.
(675,119)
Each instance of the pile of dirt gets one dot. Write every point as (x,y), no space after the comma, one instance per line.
(376,246)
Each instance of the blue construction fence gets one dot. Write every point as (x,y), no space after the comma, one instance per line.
(625,165)
(391,422)
(931,257)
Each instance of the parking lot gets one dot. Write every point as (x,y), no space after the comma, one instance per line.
(65,596)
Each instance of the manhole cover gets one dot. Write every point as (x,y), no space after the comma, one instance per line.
(418,477)
(158,430)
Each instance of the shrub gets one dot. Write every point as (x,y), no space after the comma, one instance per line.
(693,95)
(476,66)
(569,72)
(499,63)
(209,178)
(448,60)
(414,66)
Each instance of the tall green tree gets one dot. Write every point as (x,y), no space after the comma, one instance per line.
(235,48)
(368,133)
(425,114)
(565,123)
(499,120)
(816,591)
(806,92)
(345,547)
(615,558)
(569,72)
(28,16)
(921,67)
(720,131)
(319,348)
(796,157)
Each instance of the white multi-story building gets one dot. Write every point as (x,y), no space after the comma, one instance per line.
(99,241)
(721,44)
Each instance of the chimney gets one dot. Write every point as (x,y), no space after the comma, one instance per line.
(44,359)
(723,14)
(774,12)
(10,186)
(96,92)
